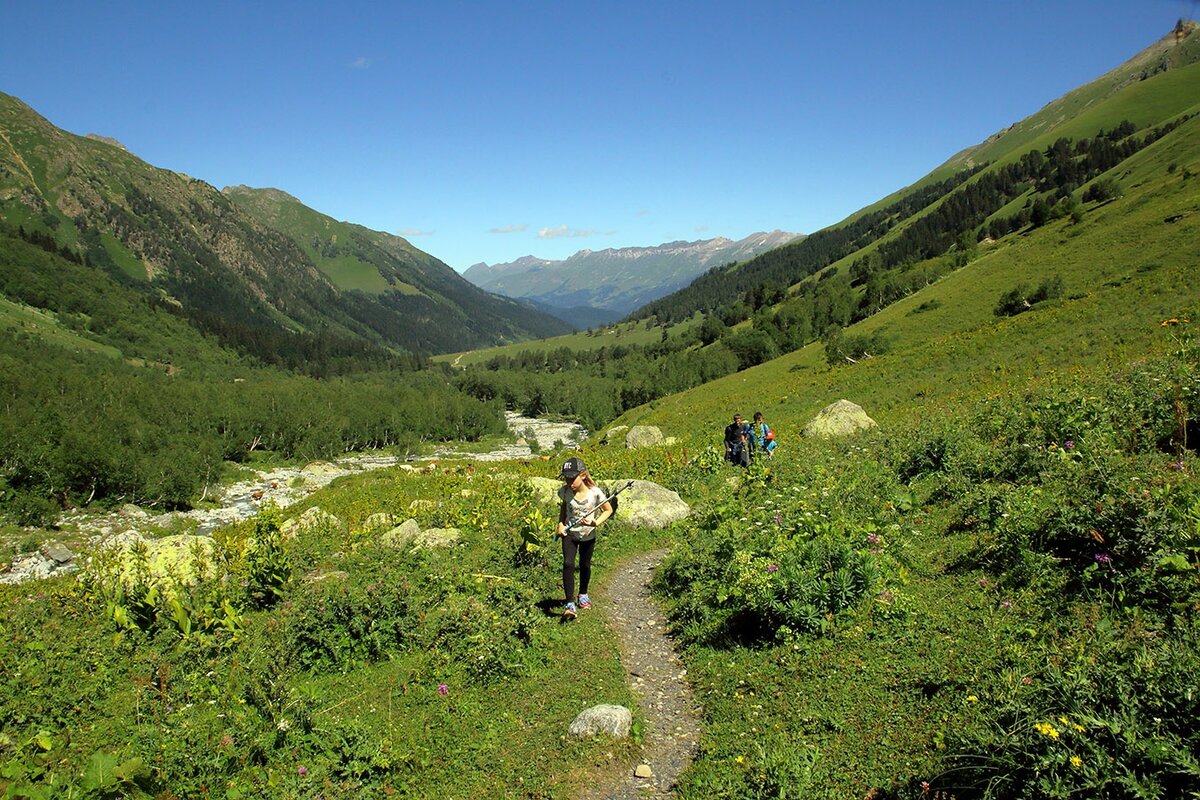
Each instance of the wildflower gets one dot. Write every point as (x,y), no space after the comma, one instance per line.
(1027,680)
(972,698)
(1069,444)
(924,788)
(873,538)
(301,770)
(1103,558)
(740,760)
(778,518)
(1005,605)
(772,568)
(1076,761)
(443,689)
(1046,729)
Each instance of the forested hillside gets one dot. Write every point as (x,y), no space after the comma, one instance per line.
(233,275)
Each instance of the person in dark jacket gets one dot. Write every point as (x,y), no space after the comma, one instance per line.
(737,442)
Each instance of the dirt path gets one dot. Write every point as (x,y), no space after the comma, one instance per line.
(658,679)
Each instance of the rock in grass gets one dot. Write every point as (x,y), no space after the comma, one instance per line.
(838,419)
(643,436)
(616,721)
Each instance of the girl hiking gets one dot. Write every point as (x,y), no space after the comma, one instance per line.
(582,510)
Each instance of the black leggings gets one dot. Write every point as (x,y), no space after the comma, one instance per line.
(585,566)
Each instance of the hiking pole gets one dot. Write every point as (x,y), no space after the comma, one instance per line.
(579,522)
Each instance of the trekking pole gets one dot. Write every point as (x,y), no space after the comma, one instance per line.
(578,523)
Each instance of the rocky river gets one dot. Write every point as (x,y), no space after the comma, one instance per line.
(282,486)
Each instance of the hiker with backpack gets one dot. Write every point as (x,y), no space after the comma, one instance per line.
(582,509)
(737,442)
(761,435)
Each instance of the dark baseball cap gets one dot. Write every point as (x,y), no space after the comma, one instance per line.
(572,467)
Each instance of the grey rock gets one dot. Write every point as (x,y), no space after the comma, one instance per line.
(614,433)
(839,419)
(545,490)
(402,535)
(378,521)
(646,504)
(616,721)
(642,436)
(56,551)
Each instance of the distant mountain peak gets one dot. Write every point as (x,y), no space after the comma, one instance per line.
(618,279)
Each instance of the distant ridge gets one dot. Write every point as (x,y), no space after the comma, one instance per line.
(618,280)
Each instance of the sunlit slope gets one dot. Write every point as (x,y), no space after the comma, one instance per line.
(1129,265)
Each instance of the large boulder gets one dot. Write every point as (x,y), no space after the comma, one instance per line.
(613,720)
(614,433)
(169,556)
(545,490)
(838,419)
(402,535)
(410,534)
(643,436)
(646,504)
(312,519)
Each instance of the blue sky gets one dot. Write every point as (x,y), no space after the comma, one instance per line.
(488,131)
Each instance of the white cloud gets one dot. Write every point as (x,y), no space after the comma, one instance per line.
(362,62)
(562,231)
(510,228)
(413,232)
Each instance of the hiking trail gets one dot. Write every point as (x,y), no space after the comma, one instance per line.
(659,682)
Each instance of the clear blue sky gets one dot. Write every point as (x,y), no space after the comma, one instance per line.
(488,131)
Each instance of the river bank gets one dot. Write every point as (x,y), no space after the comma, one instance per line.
(282,486)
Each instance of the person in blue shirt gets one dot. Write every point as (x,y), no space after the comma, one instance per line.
(761,435)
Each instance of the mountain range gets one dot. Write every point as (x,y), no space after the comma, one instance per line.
(596,286)
(256,269)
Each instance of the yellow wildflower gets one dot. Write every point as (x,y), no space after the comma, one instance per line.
(740,760)
(1046,729)
(1064,720)
(1076,761)
(972,698)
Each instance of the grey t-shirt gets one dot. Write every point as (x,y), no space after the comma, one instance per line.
(578,509)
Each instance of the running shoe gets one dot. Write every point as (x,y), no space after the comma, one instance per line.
(569,612)
(584,601)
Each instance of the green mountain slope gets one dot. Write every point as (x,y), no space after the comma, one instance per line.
(253,286)
(1152,90)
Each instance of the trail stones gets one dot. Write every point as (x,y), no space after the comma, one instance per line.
(838,419)
(642,436)
(643,771)
(613,720)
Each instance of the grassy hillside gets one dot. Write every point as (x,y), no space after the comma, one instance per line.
(995,594)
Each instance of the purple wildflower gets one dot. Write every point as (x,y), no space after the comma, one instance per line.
(885,596)
(443,689)
(301,770)
(772,568)
(1103,558)
(1007,604)
(1069,444)
(873,538)
(778,519)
